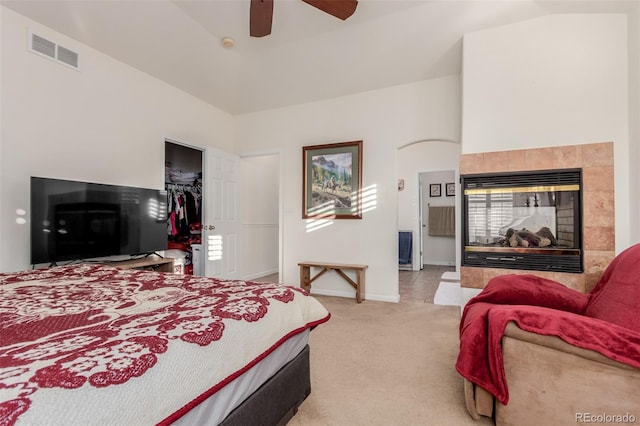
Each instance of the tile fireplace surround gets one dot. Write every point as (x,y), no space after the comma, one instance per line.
(596,161)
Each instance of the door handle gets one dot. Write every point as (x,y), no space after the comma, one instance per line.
(209,227)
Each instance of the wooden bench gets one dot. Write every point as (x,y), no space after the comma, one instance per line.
(358,284)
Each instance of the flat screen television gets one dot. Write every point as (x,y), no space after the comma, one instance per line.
(73,220)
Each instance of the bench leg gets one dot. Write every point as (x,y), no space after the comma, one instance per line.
(305,278)
(360,289)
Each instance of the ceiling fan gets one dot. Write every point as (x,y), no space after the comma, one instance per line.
(261,13)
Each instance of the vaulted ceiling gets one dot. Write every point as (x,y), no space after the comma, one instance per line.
(309,55)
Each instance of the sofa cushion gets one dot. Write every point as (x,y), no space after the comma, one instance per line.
(616,296)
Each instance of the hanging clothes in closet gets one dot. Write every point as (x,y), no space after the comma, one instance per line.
(183,182)
(185,213)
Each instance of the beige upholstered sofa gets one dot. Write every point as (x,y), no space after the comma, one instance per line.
(554,383)
(568,359)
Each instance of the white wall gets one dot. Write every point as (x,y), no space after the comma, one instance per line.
(1,125)
(634,119)
(260,215)
(551,81)
(106,123)
(440,160)
(385,120)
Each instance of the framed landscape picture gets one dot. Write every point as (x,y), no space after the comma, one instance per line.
(332,181)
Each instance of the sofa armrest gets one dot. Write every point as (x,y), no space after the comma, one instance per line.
(553,382)
(554,342)
(556,383)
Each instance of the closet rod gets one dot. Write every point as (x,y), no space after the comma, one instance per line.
(183,187)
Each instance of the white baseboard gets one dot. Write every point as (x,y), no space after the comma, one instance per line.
(439,263)
(260,274)
(352,295)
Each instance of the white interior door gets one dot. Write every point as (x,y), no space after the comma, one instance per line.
(222,230)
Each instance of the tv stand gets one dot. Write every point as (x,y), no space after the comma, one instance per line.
(150,263)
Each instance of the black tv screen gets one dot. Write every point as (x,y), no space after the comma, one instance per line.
(73,220)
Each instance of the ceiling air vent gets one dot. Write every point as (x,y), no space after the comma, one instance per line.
(48,48)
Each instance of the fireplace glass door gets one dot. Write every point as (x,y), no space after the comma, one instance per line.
(529,221)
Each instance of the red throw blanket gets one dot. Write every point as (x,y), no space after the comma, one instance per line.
(539,306)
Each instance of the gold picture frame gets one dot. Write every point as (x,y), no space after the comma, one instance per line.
(332,181)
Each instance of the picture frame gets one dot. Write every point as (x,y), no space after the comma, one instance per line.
(435,190)
(332,181)
(450,189)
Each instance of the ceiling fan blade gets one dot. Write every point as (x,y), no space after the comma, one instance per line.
(260,16)
(339,8)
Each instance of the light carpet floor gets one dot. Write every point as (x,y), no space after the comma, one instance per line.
(387,364)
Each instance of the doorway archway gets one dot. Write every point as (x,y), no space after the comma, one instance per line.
(414,158)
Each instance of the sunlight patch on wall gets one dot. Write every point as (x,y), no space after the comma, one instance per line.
(324,213)
(369,198)
(214,247)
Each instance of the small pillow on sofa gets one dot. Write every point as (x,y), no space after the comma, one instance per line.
(616,297)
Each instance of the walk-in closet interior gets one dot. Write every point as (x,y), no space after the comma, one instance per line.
(183,182)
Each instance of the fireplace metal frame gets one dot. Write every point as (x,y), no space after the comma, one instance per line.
(554,259)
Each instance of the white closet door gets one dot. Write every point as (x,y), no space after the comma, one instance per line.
(222,230)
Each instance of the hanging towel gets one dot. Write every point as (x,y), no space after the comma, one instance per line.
(405,240)
(442,221)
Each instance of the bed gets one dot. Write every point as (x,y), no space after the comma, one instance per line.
(95,344)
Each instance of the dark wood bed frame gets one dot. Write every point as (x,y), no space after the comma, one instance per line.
(278,399)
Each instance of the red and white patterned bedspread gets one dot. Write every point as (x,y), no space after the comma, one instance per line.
(93,344)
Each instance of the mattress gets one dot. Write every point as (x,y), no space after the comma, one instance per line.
(93,344)
(218,406)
